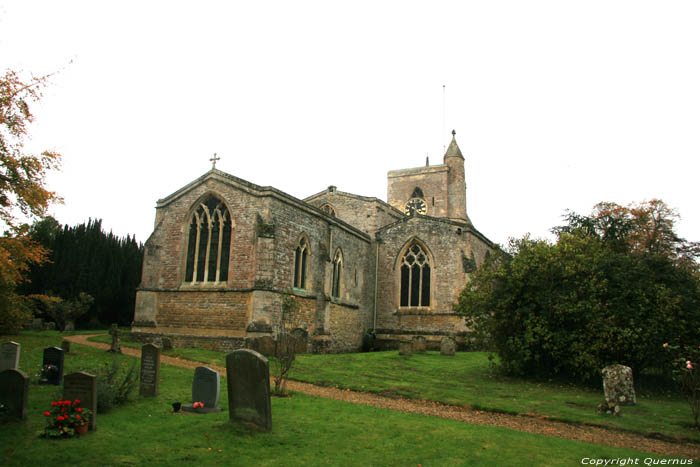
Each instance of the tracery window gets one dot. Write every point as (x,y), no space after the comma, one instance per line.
(208,243)
(300,259)
(337,268)
(328,209)
(415,277)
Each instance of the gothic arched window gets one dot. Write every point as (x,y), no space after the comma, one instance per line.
(300,259)
(415,277)
(337,268)
(328,209)
(208,243)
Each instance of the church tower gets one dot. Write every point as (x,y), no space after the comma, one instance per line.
(456,183)
(433,190)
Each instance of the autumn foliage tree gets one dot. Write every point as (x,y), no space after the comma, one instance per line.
(613,288)
(23,192)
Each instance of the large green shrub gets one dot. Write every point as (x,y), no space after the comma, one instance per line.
(590,299)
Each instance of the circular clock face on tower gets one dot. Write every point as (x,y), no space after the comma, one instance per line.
(415,205)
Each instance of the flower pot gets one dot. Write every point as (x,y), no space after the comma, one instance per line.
(81,429)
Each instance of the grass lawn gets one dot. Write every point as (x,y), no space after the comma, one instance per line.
(467,379)
(306,430)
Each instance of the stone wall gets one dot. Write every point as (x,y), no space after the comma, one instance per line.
(367,214)
(431,180)
(448,244)
(267,226)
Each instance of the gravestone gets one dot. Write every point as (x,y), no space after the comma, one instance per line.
(70,326)
(65,345)
(618,385)
(205,389)
(52,366)
(9,356)
(150,370)
(114,332)
(82,386)
(14,393)
(167,343)
(301,340)
(38,324)
(248,378)
(405,348)
(448,346)
(419,344)
(264,345)
(49,326)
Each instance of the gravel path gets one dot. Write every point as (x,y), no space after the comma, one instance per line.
(527,424)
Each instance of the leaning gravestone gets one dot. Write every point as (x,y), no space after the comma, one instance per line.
(248,377)
(618,385)
(14,392)
(9,356)
(52,366)
(65,345)
(82,386)
(114,332)
(205,389)
(150,370)
(448,346)
(419,344)
(405,348)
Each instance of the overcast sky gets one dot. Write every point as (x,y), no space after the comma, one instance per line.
(557,104)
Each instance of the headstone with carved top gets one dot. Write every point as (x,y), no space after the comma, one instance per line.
(150,370)
(9,356)
(14,391)
(248,377)
(83,387)
(205,390)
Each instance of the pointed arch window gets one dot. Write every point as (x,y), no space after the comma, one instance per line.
(417,193)
(337,269)
(208,243)
(415,277)
(328,209)
(300,259)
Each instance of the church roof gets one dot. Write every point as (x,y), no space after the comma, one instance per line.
(468,227)
(260,191)
(368,199)
(453,149)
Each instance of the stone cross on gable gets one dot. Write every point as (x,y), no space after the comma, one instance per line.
(213,161)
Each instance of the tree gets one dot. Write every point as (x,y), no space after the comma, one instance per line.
(85,259)
(646,227)
(23,194)
(285,342)
(612,289)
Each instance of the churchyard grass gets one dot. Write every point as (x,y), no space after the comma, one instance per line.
(306,431)
(209,357)
(467,379)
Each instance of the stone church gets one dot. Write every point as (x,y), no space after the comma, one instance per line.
(224,251)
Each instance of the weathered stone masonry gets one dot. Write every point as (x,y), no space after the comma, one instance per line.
(371,244)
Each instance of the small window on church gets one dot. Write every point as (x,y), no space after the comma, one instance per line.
(417,193)
(415,278)
(337,268)
(328,209)
(300,258)
(209,243)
